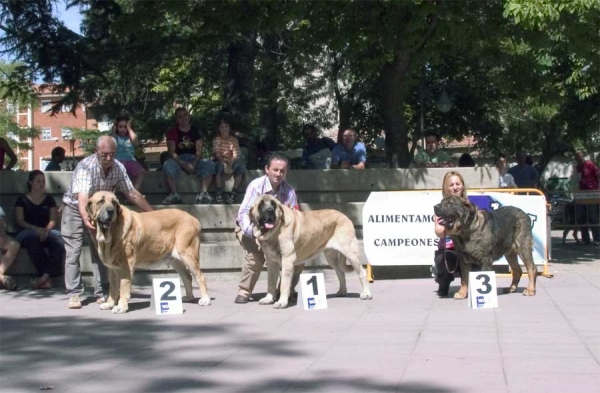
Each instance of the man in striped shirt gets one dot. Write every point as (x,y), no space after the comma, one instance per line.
(98,172)
(273,183)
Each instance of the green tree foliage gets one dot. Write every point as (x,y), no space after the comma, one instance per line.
(517,71)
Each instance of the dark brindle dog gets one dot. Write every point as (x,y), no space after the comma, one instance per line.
(481,237)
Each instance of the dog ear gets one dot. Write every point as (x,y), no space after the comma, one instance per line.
(117,205)
(471,209)
(88,207)
(281,213)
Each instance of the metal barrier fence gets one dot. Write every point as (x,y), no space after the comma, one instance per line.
(577,211)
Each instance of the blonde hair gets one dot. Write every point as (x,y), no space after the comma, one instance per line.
(446,192)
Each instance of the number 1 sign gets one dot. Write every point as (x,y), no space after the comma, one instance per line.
(167,296)
(314,295)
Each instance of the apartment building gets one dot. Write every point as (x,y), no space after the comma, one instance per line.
(54,130)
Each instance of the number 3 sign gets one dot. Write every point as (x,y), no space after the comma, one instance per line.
(482,290)
(314,296)
(167,296)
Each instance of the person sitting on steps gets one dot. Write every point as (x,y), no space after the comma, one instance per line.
(228,161)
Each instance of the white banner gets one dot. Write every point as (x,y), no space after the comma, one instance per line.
(398,227)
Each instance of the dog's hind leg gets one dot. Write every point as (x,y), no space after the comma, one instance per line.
(526,254)
(186,278)
(335,260)
(191,259)
(352,254)
(515,270)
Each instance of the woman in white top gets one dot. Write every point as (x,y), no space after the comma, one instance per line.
(505,179)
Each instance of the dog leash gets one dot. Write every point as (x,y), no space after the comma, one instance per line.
(446,261)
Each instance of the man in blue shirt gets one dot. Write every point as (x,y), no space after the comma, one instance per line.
(525,175)
(349,154)
(58,156)
(316,150)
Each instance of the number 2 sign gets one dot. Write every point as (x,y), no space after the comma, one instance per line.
(314,295)
(167,296)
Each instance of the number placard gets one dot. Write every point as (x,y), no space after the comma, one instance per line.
(483,290)
(167,296)
(314,295)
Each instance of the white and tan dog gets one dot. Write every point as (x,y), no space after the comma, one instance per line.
(126,239)
(289,237)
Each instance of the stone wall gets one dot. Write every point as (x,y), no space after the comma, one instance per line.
(344,190)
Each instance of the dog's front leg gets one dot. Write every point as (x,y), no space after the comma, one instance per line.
(125,273)
(273,269)
(287,273)
(465,269)
(113,291)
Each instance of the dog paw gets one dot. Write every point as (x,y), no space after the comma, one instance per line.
(459,295)
(280,305)
(107,306)
(267,300)
(366,296)
(511,289)
(204,301)
(529,292)
(341,293)
(119,310)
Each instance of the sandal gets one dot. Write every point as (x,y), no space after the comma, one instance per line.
(8,283)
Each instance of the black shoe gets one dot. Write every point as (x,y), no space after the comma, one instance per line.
(241,299)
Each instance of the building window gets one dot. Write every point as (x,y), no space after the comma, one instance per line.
(66,108)
(46,105)
(67,133)
(46,133)
(11,108)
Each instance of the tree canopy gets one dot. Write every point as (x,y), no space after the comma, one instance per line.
(520,74)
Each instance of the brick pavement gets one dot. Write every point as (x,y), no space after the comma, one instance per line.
(404,340)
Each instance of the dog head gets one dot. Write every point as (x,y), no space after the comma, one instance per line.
(456,213)
(104,209)
(267,216)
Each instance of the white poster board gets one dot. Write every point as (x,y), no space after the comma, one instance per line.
(398,227)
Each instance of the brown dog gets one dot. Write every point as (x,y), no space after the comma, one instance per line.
(289,237)
(126,239)
(481,237)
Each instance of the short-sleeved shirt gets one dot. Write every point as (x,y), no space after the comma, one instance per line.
(317,146)
(506,181)
(89,177)
(589,175)
(221,145)
(261,186)
(125,149)
(52,166)
(440,156)
(525,175)
(356,156)
(38,215)
(185,142)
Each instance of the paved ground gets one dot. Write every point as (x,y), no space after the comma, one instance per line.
(404,340)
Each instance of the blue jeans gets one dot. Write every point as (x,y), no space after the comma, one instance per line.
(49,262)
(204,168)
(239,167)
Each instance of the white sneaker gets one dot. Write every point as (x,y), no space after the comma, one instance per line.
(204,197)
(172,199)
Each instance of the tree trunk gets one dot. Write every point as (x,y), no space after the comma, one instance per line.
(393,81)
(240,73)
(269,91)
